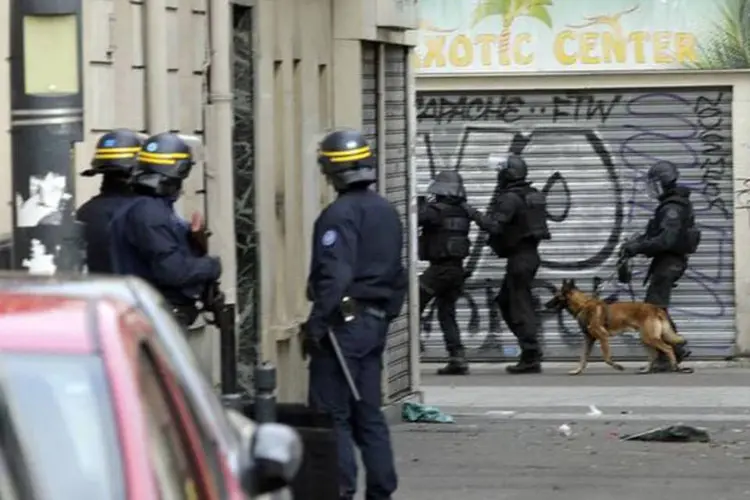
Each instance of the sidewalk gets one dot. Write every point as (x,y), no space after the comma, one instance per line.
(506,443)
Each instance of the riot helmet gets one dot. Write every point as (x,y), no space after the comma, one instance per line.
(163,163)
(511,169)
(346,159)
(448,183)
(662,176)
(115,154)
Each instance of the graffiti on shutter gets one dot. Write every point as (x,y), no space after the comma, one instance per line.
(589,151)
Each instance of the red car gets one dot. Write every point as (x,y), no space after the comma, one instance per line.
(100,412)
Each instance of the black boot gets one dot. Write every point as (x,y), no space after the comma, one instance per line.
(681,352)
(457,365)
(529,362)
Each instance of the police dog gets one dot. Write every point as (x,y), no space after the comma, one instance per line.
(600,320)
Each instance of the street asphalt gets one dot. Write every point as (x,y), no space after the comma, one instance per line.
(507,442)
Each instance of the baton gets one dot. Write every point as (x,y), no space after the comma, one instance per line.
(348,314)
(344,366)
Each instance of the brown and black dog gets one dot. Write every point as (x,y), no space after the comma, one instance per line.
(600,320)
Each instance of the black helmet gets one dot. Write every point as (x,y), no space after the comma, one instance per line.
(115,153)
(512,169)
(163,163)
(345,158)
(661,177)
(448,183)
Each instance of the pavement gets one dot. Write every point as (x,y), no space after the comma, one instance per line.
(507,442)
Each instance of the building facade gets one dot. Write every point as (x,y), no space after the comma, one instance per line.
(592,95)
(253,85)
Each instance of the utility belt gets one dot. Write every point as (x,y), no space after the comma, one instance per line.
(185,314)
(350,308)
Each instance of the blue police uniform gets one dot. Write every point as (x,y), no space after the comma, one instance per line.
(357,244)
(357,254)
(114,158)
(151,241)
(96,215)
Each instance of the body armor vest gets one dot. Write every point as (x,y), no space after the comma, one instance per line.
(690,236)
(529,224)
(448,240)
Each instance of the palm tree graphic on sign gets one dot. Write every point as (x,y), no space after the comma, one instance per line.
(727,45)
(510,10)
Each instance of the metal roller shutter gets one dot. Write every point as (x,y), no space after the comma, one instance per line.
(397,191)
(590,150)
(370,92)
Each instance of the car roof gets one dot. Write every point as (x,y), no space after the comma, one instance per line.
(74,285)
(46,322)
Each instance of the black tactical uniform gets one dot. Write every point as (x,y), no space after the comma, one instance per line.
(670,237)
(114,158)
(149,240)
(357,248)
(517,222)
(444,242)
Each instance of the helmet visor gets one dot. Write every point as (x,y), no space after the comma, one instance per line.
(497,161)
(654,189)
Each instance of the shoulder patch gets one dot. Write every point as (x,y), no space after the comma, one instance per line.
(329,238)
(671,213)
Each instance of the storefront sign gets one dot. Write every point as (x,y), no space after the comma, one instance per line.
(492,36)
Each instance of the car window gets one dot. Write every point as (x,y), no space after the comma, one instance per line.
(176,472)
(177,351)
(63,412)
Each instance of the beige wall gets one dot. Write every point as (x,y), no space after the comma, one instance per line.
(116,50)
(740,81)
(308,80)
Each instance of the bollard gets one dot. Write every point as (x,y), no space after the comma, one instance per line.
(265,393)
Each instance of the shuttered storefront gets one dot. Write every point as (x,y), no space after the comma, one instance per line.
(397,191)
(590,151)
(370,92)
(385,125)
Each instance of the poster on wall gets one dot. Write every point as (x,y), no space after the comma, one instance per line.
(496,36)
(43,209)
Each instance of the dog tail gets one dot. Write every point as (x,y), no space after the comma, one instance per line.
(668,333)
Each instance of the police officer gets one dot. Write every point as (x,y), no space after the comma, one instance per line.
(357,244)
(516,223)
(444,242)
(670,237)
(114,158)
(151,241)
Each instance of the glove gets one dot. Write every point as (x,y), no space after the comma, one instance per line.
(310,345)
(199,241)
(470,211)
(629,249)
(216,265)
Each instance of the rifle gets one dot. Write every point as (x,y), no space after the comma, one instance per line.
(222,316)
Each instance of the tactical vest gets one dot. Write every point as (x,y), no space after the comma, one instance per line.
(529,224)
(448,240)
(690,236)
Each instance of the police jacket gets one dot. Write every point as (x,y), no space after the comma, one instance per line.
(445,232)
(672,228)
(96,215)
(356,252)
(151,241)
(516,220)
